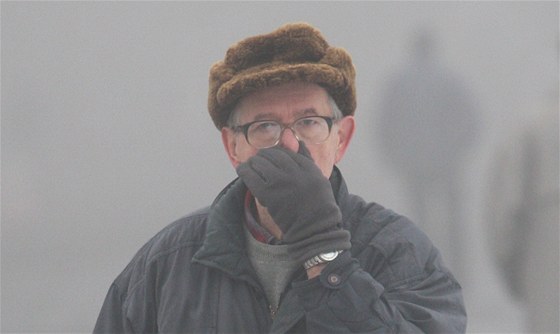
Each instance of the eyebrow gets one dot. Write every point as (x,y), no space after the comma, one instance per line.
(298,114)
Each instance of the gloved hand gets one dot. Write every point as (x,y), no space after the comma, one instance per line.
(299,198)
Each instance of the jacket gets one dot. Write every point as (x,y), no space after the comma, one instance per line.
(194,277)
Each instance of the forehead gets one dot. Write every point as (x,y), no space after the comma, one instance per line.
(284,102)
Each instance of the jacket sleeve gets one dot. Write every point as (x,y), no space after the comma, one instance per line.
(346,298)
(111,318)
(129,306)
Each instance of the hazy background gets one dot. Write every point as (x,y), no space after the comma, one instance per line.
(106,138)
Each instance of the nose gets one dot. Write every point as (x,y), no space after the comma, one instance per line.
(289,140)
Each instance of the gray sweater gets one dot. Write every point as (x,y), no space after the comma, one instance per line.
(273,265)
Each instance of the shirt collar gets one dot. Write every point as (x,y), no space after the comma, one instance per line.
(257,231)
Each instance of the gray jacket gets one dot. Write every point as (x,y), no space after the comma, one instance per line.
(194,277)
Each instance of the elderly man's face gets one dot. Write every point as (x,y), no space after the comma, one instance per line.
(285,104)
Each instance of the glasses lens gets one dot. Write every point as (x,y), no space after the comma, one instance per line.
(264,134)
(313,130)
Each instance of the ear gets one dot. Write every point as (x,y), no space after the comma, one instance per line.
(346,127)
(230,141)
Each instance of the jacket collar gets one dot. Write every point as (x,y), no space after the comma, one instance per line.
(224,245)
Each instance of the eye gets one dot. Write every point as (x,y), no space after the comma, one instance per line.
(264,127)
(308,122)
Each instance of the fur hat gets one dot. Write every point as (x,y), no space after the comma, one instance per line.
(293,52)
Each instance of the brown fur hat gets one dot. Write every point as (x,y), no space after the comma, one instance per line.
(293,52)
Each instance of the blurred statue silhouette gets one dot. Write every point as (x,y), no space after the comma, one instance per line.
(523,219)
(427,125)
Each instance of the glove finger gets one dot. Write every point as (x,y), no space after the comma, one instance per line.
(259,174)
(304,158)
(248,173)
(303,150)
(282,158)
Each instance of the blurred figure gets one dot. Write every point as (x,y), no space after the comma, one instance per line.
(523,217)
(426,127)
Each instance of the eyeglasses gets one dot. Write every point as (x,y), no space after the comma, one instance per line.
(267,133)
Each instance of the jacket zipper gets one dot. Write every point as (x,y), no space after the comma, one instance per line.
(272,310)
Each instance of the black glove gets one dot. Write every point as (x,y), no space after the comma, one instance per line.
(299,198)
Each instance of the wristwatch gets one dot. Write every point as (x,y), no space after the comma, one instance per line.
(321,258)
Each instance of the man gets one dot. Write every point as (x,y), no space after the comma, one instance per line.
(285,248)
(523,205)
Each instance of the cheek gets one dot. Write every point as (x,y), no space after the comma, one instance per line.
(244,151)
(327,156)
(325,160)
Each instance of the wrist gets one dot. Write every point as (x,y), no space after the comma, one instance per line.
(315,270)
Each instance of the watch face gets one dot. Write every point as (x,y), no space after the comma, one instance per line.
(328,256)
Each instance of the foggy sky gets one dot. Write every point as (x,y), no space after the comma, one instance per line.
(106,137)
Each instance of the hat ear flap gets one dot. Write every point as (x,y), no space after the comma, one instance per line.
(345,98)
(219,73)
(340,59)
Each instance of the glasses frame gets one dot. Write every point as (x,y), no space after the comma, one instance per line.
(244,128)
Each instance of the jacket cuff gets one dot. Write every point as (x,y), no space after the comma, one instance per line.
(344,298)
(334,276)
